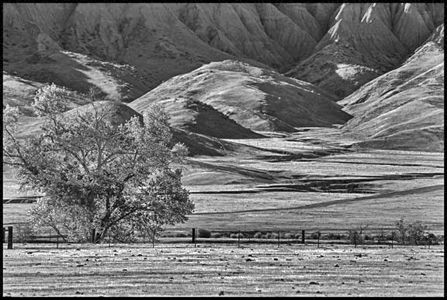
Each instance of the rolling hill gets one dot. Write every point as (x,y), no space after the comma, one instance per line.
(230,70)
(241,95)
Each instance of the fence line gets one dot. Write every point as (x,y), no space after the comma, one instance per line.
(383,236)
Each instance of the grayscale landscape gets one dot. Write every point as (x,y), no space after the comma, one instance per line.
(326,118)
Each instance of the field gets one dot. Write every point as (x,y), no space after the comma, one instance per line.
(316,182)
(311,180)
(212,270)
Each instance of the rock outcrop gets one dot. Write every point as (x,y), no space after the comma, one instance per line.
(366,40)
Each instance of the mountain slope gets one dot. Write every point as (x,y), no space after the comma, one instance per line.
(161,40)
(366,40)
(404,108)
(120,113)
(251,97)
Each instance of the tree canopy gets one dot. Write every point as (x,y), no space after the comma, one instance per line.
(101,167)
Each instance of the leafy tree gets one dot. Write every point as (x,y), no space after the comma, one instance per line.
(413,233)
(100,167)
(402,230)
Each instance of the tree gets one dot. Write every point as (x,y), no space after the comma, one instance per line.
(356,236)
(413,233)
(101,167)
(402,229)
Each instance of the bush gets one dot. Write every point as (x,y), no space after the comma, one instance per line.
(355,237)
(314,235)
(257,235)
(414,233)
(288,235)
(432,239)
(203,233)
(217,235)
(180,234)
(234,235)
(23,233)
(335,236)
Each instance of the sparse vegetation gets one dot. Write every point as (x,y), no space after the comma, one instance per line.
(203,233)
(356,236)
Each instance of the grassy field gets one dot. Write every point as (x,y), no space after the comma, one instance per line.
(314,183)
(212,270)
(332,187)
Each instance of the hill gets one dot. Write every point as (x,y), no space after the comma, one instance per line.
(335,46)
(404,108)
(217,97)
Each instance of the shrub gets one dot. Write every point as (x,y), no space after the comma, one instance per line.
(180,234)
(288,235)
(355,237)
(414,233)
(217,235)
(432,239)
(23,233)
(257,235)
(335,236)
(234,235)
(203,233)
(314,235)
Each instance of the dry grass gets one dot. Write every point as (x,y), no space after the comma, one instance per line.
(241,181)
(252,270)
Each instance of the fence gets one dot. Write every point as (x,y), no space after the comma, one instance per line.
(278,236)
(11,237)
(377,237)
(8,233)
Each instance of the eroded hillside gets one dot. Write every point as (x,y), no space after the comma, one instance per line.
(335,46)
(382,62)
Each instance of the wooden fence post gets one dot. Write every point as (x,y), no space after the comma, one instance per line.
(303,237)
(9,237)
(93,235)
(4,235)
(238,238)
(279,237)
(194,236)
(318,242)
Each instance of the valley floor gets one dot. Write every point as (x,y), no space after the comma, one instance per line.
(313,179)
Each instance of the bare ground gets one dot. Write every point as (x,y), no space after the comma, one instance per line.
(210,270)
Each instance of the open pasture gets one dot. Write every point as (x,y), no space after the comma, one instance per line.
(223,269)
(341,191)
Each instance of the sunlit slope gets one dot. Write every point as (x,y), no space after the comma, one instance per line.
(365,40)
(404,108)
(245,95)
